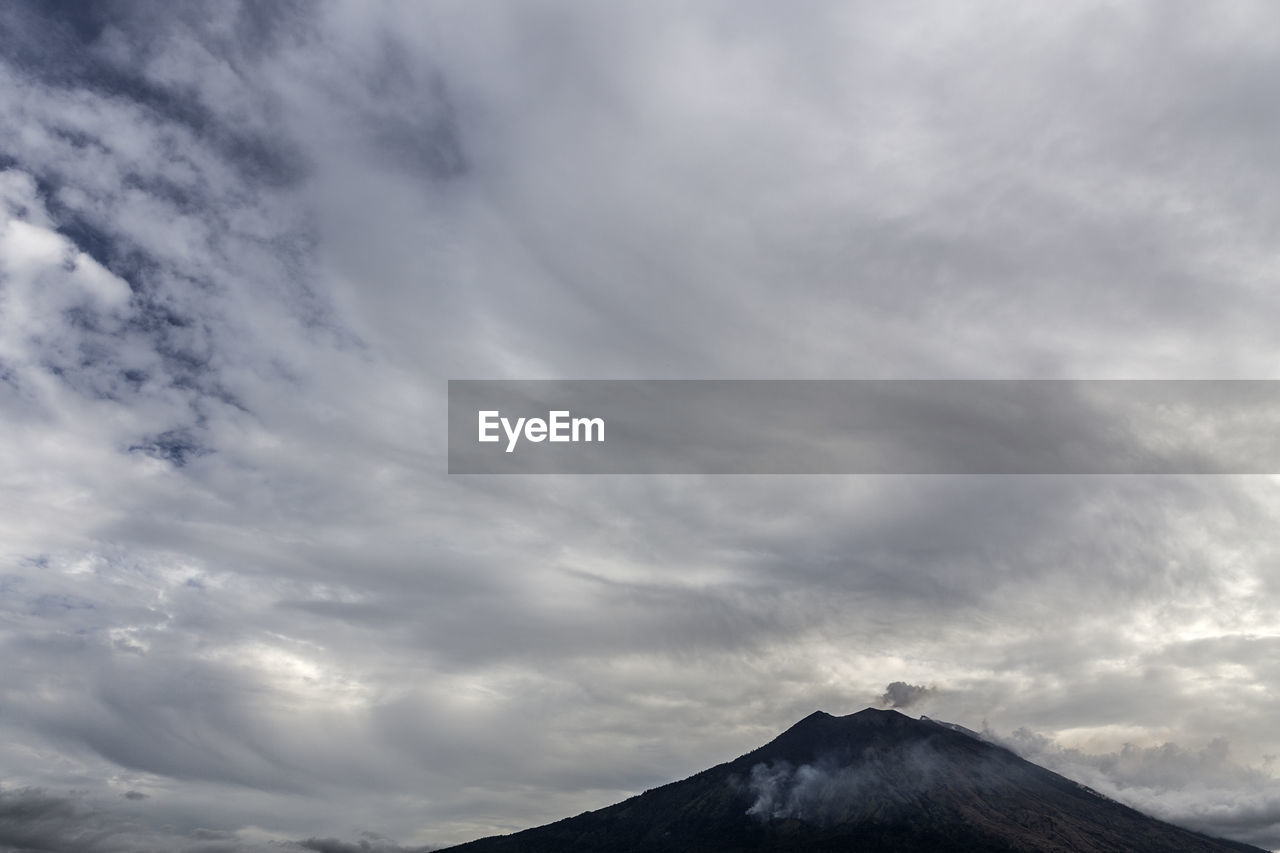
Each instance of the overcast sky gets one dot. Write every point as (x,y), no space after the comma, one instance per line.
(244,246)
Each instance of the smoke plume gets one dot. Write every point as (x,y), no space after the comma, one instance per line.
(900,694)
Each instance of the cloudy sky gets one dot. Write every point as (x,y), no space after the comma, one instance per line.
(244,245)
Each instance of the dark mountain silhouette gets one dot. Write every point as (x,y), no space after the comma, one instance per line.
(869,782)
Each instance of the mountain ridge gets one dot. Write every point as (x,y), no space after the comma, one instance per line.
(874,780)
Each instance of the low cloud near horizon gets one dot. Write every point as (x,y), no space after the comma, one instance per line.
(243,246)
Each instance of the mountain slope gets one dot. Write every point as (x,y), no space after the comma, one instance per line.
(871,781)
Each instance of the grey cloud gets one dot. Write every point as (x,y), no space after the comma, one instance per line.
(35,820)
(105,48)
(1206,788)
(175,445)
(304,218)
(372,844)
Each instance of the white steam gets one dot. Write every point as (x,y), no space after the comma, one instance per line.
(811,793)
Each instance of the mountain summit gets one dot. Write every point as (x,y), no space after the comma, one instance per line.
(868,782)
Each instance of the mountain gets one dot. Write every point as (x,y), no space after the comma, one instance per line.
(869,782)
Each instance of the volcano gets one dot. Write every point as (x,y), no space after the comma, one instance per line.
(867,782)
